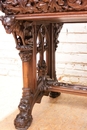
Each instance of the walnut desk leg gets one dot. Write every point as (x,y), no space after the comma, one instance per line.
(31,92)
(44,43)
(54,33)
(24,118)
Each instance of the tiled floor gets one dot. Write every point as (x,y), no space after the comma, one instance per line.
(67,112)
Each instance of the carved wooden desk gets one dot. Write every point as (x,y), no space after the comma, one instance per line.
(35,25)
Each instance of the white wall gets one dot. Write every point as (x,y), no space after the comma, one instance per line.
(71,56)
(10,62)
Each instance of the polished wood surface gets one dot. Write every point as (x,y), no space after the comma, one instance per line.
(35,25)
(64,17)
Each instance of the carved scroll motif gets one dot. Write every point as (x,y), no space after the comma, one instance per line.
(41,6)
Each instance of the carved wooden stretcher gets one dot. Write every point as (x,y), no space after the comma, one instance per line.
(35,25)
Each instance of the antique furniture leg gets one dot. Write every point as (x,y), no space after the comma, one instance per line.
(24,119)
(25,34)
(28,56)
(55,29)
(35,41)
(32,83)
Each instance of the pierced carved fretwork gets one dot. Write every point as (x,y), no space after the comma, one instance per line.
(42,37)
(41,6)
(42,47)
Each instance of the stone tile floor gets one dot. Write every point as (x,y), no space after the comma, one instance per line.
(67,112)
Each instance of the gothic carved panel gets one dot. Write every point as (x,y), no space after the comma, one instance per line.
(42,37)
(42,47)
(41,6)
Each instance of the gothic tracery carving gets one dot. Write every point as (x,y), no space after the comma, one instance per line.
(41,6)
(42,46)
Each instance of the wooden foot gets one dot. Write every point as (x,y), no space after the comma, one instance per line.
(54,94)
(22,121)
(24,118)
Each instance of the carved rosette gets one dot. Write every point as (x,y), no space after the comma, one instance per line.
(41,6)
(24,118)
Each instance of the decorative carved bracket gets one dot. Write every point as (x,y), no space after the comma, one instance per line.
(21,30)
(57,28)
(23,35)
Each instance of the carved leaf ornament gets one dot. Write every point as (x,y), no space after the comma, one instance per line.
(10,7)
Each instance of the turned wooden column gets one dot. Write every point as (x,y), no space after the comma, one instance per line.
(24,118)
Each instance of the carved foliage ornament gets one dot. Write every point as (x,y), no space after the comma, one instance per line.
(57,28)
(25,55)
(41,6)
